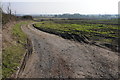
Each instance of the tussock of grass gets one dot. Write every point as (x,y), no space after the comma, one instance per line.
(13,54)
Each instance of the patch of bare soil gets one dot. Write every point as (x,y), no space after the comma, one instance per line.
(7,38)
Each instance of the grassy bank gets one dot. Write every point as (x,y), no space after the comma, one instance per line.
(13,54)
(93,32)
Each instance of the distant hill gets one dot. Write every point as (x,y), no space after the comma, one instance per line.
(94,16)
(87,16)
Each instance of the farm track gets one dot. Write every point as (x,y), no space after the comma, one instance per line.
(55,57)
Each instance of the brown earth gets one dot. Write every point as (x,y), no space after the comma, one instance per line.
(55,57)
(7,38)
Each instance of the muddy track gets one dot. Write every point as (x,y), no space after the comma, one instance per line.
(55,57)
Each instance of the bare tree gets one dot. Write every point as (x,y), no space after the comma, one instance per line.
(15,13)
(1,8)
(9,11)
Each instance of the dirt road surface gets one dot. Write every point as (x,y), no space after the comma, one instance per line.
(55,57)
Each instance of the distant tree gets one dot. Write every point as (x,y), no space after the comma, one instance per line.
(55,16)
(27,17)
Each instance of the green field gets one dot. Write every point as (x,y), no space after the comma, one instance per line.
(106,33)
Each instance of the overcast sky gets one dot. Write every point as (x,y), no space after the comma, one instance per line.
(63,6)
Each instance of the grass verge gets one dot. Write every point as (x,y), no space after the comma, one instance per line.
(12,55)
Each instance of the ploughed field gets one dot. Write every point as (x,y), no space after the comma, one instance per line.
(103,33)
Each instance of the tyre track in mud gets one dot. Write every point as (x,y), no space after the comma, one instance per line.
(55,57)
